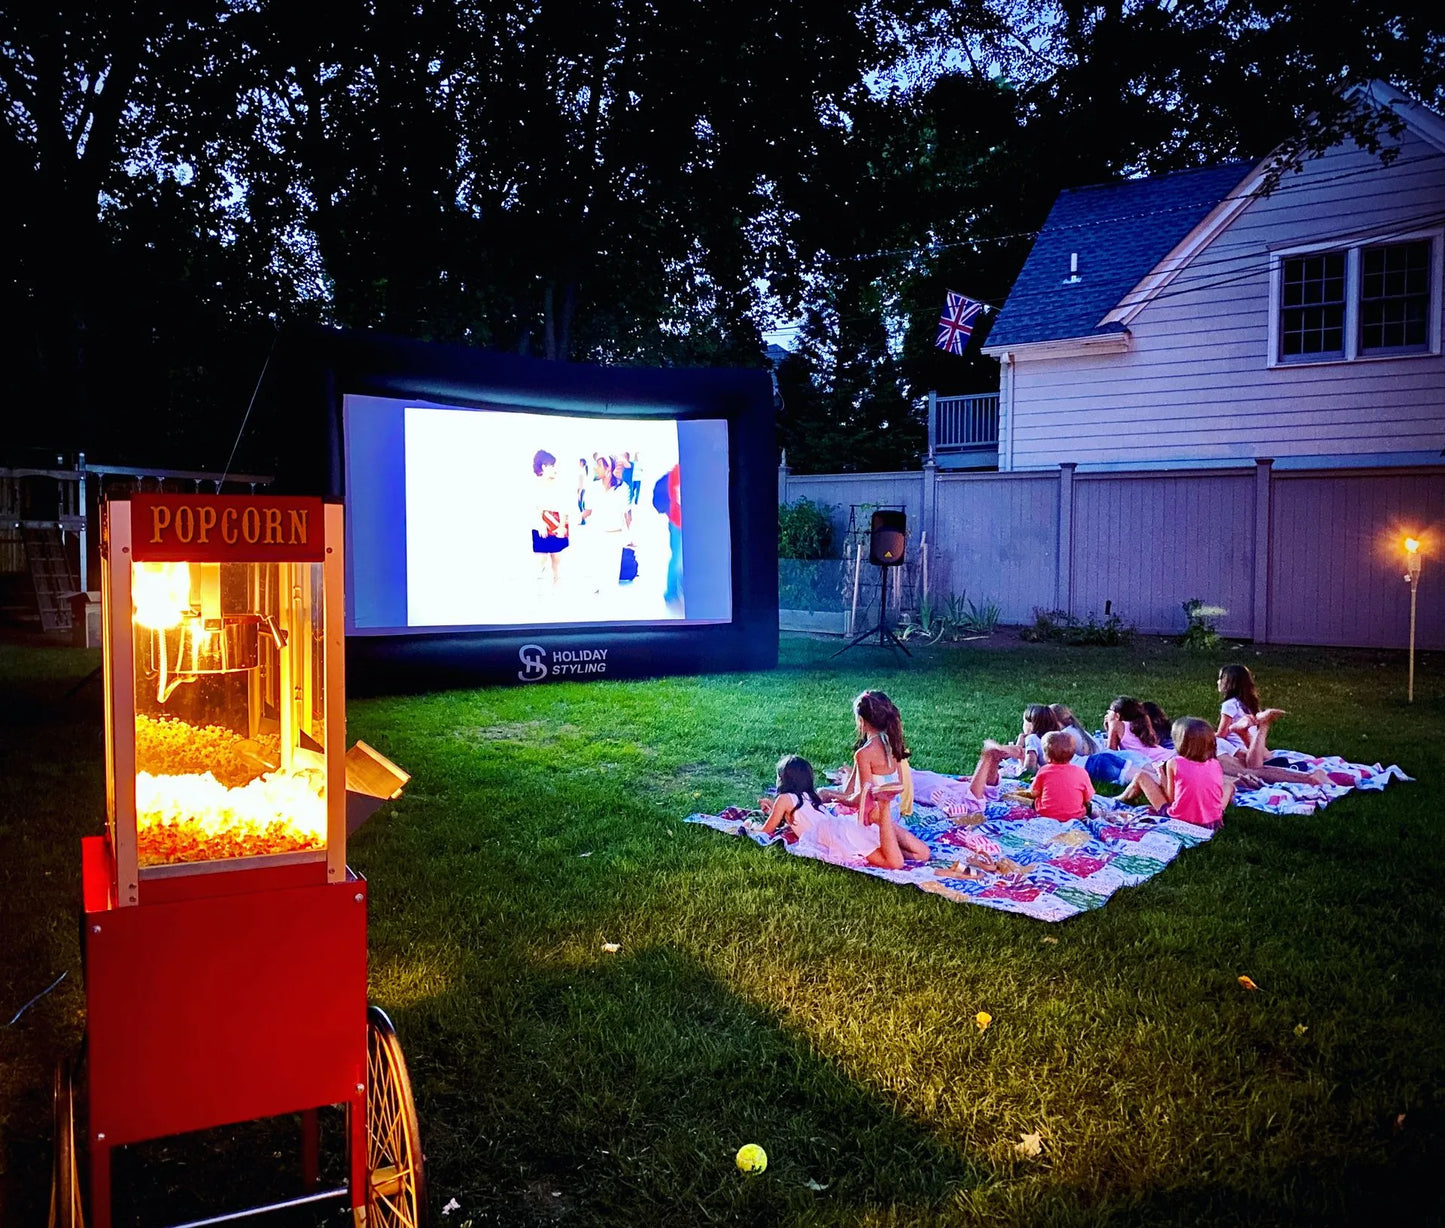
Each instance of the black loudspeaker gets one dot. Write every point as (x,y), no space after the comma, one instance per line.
(888,538)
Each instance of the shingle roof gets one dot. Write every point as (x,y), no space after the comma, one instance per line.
(1120,232)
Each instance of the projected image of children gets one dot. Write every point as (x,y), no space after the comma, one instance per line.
(553,536)
(496,535)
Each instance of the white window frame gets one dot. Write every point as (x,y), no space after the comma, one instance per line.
(1352,250)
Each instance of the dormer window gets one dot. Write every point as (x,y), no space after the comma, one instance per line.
(1369,301)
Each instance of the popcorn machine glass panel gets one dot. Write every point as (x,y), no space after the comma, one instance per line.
(224,693)
(230,724)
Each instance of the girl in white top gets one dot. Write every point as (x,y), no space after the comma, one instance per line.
(874,782)
(1039,719)
(830,837)
(1243,729)
(1243,734)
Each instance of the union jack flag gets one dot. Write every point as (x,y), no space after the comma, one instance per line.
(956,323)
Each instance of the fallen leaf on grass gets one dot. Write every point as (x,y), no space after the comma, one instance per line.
(1399,1122)
(1300,1029)
(983,1019)
(813,1185)
(612,947)
(1247,983)
(1029,1144)
(1053,942)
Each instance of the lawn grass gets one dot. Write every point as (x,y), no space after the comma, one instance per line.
(826,1015)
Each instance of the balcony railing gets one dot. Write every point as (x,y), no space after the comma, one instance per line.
(963,427)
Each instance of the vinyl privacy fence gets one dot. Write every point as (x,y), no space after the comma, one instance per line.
(1294,556)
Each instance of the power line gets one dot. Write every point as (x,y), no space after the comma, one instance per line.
(932,248)
(1206,273)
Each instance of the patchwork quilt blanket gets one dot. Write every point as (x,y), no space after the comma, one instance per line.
(1044,869)
(1015,861)
(1306,799)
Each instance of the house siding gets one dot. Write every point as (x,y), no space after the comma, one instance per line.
(1195,385)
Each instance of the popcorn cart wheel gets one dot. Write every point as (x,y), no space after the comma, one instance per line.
(65,1206)
(395,1174)
(395,1165)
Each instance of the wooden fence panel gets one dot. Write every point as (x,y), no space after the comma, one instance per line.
(1337,562)
(1148,543)
(995,538)
(841,491)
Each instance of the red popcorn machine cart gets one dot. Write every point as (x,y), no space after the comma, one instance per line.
(224,937)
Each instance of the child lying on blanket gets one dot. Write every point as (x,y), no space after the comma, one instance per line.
(1132,743)
(1084,744)
(1039,719)
(1243,733)
(1191,785)
(983,787)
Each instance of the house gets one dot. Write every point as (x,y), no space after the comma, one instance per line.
(1212,387)
(1198,320)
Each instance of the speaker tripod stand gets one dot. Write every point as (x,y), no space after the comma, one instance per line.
(883,633)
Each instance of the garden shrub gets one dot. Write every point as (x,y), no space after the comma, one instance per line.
(1061,627)
(805,530)
(1201,633)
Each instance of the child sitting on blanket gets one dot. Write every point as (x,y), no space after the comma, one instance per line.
(874,783)
(1062,789)
(817,834)
(1192,785)
(983,786)
(1243,733)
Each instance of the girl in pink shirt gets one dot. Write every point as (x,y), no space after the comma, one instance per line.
(1130,729)
(1192,785)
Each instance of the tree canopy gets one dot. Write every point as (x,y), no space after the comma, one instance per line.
(634,181)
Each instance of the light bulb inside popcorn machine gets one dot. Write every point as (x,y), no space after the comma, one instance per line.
(192,633)
(161,594)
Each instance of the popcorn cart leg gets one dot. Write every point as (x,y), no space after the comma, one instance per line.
(66,1210)
(395,1165)
(310,1149)
(356,1156)
(99,1184)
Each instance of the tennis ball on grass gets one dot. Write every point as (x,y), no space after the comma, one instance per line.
(752,1158)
